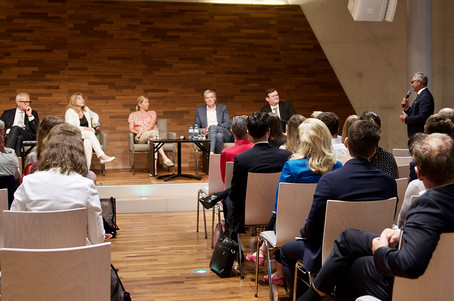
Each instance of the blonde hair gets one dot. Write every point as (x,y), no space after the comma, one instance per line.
(316,146)
(140,99)
(72,102)
(64,149)
(347,124)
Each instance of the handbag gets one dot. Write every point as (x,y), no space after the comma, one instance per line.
(109,215)
(218,230)
(223,256)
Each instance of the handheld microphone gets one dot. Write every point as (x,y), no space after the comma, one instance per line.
(406,97)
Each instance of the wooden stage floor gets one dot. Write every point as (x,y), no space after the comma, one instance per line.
(142,177)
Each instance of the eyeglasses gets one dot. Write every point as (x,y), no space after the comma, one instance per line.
(26,102)
(412,81)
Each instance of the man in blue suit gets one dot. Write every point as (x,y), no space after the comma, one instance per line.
(415,116)
(357,180)
(363,263)
(214,121)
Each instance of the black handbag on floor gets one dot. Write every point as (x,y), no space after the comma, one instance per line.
(109,215)
(224,255)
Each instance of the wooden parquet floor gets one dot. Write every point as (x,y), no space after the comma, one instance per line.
(157,255)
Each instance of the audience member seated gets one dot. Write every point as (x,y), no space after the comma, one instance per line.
(412,142)
(214,121)
(383,159)
(9,166)
(44,127)
(448,113)
(142,123)
(332,122)
(364,263)
(277,137)
(79,115)
(60,183)
(358,180)
(31,164)
(21,123)
(242,144)
(415,187)
(283,109)
(293,139)
(314,157)
(261,158)
(438,124)
(347,123)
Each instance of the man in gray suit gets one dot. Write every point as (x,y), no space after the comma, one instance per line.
(214,121)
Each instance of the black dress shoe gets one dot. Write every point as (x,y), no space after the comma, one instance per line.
(209,201)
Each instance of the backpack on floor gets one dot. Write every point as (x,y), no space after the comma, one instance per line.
(109,215)
(117,290)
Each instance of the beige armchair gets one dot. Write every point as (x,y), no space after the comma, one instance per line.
(143,148)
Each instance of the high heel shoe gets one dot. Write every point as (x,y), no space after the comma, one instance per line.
(107,160)
(168,163)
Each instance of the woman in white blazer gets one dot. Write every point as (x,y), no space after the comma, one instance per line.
(79,115)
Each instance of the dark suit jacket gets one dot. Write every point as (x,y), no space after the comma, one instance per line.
(8,119)
(429,216)
(356,181)
(420,110)
(285,109)
(221,114)
(261,158)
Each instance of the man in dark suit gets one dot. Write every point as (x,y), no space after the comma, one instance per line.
(358,180)
(261,158)
(214,121)
(283,109)
(423,106)
(21,123)
(363,263)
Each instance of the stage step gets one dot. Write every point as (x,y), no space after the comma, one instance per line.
(153,197)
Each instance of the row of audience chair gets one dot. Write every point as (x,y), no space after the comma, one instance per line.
(44,257)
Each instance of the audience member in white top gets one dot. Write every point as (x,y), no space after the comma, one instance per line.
(332,122)
(60,183)
(415,187)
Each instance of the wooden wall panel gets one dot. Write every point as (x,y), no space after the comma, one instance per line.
(114,51)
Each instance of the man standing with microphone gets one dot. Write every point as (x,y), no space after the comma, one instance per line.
(415,116)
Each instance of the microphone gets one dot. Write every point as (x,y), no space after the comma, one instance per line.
(406,97)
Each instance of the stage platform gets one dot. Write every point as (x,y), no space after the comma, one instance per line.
(142,193)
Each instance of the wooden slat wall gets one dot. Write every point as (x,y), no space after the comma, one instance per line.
(115,51)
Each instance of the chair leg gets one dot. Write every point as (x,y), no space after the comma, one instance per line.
(196,162)
(198,210)
(257,268)
(133,163)
(103,169)
(240,256)
(205,221)
(173,160)
(213,217)
(269,268)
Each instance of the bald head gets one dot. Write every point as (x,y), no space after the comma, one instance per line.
(447,113)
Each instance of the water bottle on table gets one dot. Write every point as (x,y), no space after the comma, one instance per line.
(191,132)
(196,131)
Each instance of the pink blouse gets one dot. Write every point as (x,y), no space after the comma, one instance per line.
(141,120)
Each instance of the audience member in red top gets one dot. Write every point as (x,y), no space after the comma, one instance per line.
(242,143)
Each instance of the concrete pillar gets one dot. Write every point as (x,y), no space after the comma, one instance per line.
(419,38)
